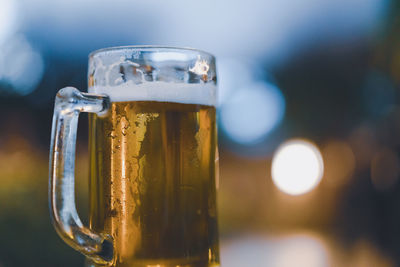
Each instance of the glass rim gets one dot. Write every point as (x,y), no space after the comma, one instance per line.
(151,48)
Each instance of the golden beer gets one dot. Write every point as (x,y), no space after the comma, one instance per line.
(152,183)
(153,145)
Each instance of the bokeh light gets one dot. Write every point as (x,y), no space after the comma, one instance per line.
(379,94)
(363,142)
(252,112)
(297,167)
(7,19)
(300,250)
(385,169)
(21,65)
(233,74)
(339,163)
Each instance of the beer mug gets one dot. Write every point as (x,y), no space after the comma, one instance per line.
(153,159)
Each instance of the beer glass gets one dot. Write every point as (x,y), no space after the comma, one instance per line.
(153,159)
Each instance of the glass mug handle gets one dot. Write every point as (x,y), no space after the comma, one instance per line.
(68,104)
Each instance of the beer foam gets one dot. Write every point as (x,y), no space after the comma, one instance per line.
(186,93)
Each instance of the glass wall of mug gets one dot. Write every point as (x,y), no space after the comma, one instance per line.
(153,156)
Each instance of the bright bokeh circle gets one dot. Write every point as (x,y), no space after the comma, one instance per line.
(297,167)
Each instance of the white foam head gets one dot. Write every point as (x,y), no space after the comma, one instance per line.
(186,93)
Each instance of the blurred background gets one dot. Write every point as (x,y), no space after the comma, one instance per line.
(309,121)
